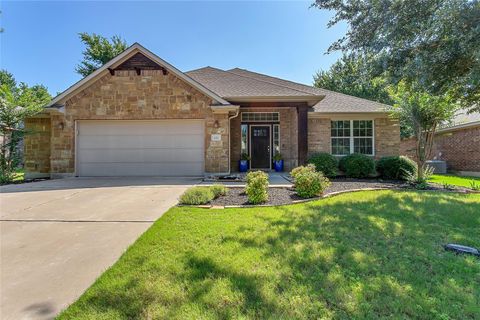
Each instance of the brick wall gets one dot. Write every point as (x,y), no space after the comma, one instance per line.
(37,147)
(459,148)
(387,135)
(128,96)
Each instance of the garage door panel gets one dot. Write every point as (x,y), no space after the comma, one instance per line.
(141,169)
(136,155)
(129,128)
(140,148)
(140,142)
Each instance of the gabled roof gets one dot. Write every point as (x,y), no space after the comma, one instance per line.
(235,87)
(125,55)
(332,103)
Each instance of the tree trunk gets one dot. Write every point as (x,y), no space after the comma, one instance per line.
(424,148)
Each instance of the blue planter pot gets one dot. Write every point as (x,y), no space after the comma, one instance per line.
(278,165)
(243,165)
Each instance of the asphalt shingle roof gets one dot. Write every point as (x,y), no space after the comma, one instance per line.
(244,83)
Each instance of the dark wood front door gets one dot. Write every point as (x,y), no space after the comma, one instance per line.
(260,147)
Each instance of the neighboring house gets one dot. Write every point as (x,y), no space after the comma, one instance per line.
(139,115)
(457,143)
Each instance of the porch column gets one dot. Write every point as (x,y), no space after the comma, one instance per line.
(302,116)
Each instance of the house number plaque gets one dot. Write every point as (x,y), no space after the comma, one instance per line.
(216,137)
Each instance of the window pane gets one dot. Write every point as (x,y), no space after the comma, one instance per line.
(276,139)
(340,128)
(340,146)
(260,116)
(363,145)
(244,147)
(362,128)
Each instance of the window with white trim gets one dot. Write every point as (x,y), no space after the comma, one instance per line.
(260,116)
(244,142)
(352,136)
(276,139)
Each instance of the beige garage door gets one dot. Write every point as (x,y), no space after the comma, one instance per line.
(140,148)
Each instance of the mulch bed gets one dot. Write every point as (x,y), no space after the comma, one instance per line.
(280,196)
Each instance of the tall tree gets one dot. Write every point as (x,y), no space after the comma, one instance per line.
(16,103)
(355,75)
(432,43)
(99,50)
(424,113)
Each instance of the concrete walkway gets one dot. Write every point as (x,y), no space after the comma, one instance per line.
(58,236)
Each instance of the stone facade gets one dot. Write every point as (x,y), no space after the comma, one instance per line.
(128,96)
(459,148)
(387,135)
(37,147)
(288,135)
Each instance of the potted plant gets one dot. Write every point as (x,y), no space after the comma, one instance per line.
(278,162)
(243,163)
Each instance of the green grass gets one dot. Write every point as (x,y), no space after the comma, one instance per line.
(363,255)
(453,180)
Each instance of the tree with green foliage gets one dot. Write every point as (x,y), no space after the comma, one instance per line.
(99,50)
(353,74)
(17,102)
(424,113)
(356,75)
(433,44)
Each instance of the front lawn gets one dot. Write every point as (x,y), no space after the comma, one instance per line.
(360,255)
(460,181)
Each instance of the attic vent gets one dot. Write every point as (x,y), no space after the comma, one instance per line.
(260,116)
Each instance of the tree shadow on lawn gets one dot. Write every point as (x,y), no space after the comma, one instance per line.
(376,256)
(365,260)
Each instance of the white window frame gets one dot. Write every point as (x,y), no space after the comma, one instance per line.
(351,137)
(259,120)
(273,139)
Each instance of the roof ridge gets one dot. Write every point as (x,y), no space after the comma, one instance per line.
(269,82)
(202,68)
(313,87)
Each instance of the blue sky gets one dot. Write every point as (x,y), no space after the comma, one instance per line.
(40,43)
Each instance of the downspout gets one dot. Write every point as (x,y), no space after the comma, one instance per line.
(237,112)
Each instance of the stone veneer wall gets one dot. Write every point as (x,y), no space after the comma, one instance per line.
(459,148)
(128,96)
(37,147)
(387,136)
(288,136)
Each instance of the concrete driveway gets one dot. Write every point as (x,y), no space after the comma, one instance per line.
(58,236)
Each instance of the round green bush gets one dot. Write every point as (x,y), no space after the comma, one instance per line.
(357,165)
(325,163)
(396,167)
(197,196)
(310,183)
(257,187)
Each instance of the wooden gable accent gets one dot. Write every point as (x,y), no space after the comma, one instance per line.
(139,62)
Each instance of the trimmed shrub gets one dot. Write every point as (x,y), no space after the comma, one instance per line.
(302,169)
(257,187)
(324,162)
(357,165)
(197,195)
(397,168)
(309,183)
(219,190)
